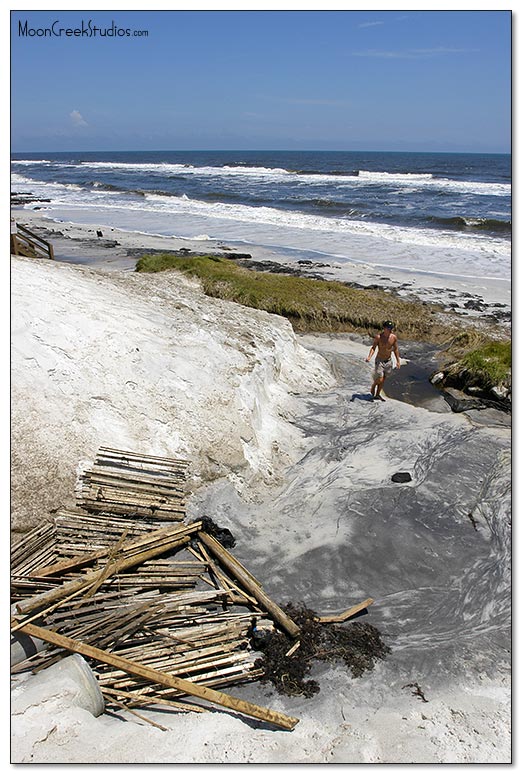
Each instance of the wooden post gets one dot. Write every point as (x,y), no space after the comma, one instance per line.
(228,561)
(161,678)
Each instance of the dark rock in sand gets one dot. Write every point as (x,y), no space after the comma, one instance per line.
(458,402)
(26,199)
(475,305)
(401,477)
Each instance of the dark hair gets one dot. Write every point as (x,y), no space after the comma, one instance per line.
(388,324)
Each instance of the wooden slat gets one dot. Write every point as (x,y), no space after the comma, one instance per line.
(108,452)
(122,509)
(138,698)
(201,692)
(138,543)
(340,617)
(254,588)
(176,538)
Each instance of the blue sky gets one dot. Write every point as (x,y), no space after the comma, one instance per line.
(318,80)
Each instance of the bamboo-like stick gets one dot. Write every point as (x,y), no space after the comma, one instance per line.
(227,583)
(123,706)
(208,694)
(42,613)
(137,544)
(145,498)
(108,569)
(91,577)
(138,698)
(293,649)
(254,589)
(158,513)
(133,477)
(106,452)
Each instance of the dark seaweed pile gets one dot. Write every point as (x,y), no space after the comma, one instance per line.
(356,644)
(222,534)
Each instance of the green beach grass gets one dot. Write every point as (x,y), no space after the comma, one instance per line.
(310,305)
(487,366)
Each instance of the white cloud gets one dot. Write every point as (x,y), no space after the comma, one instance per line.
(77,118)
(371,24)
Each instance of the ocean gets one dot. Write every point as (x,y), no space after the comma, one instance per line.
(437,213)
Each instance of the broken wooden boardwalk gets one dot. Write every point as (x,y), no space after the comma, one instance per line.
(160,608)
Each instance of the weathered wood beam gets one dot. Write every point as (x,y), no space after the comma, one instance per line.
(252,586)
(178,683)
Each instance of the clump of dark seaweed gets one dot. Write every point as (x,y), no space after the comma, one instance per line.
(356,644)
(224,535)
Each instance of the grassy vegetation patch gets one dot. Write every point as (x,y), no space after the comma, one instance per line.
(309,304)
(488,365)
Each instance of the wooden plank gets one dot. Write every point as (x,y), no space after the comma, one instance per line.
(254,588)
(133,479)
(114,456)
(126,489)
(108,450)
(162,514)
(146,673)
(340,617)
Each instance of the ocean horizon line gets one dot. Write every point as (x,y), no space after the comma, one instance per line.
(267,150)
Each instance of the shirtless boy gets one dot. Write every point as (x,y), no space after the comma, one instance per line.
(385,343)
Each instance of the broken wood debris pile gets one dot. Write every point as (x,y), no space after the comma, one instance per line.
(160,608)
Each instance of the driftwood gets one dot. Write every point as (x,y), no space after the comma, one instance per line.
(140,485)
(167,540)
(97,580)
(341,617)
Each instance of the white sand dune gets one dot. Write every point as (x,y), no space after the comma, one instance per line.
(148,363)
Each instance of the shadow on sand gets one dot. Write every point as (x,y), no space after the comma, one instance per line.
(368,397)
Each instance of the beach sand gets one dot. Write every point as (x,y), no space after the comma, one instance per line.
(287,451)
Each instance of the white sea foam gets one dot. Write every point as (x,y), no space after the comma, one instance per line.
(275,174)
(378,244)
(297,220)
(29,162)
(394,176)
